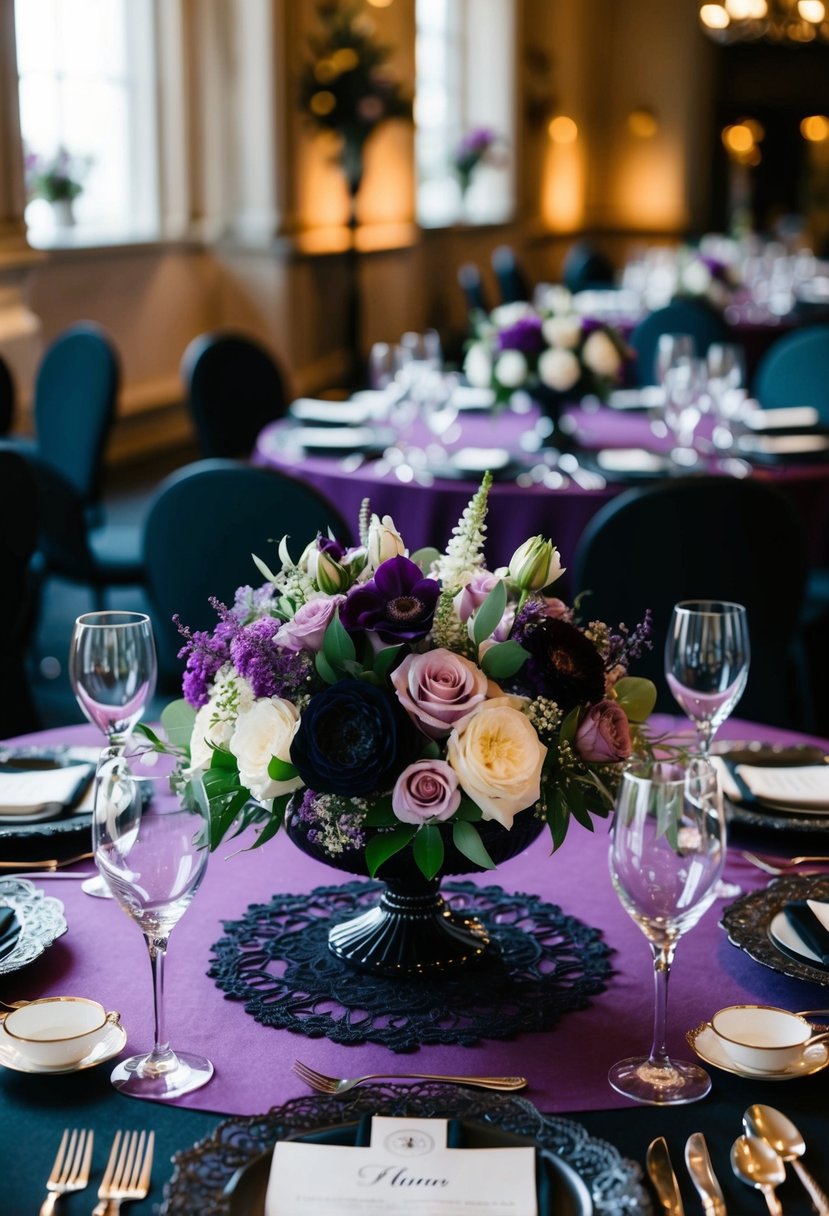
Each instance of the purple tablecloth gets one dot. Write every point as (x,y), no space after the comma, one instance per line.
(103,956)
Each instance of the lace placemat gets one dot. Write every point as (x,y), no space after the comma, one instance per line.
(201,1173)
(276,959)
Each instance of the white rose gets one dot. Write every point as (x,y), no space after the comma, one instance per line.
(384,541)
(564,332)
(477,365)
(262,732)
(506,315)
(558,299)
(559,369)
(601,355)
(498,756)
(511,369)
(696,278)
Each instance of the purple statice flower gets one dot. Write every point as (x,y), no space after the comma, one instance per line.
(270,670)
(398,604)
(205,654)
(249,603)
(629,644)
(524,335)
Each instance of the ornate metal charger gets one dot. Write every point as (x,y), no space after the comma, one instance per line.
(748,919)
(201,1173)
(40,917)
(276,959)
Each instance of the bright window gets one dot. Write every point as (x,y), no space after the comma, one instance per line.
(465,80)
(87,86)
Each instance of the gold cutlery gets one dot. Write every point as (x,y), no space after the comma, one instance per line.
(661,1174)
(779,1131)
(758,1165)
(50,864)
(702,1174)
(70,1171)
(127,1175)
(341,1085)
(783,865)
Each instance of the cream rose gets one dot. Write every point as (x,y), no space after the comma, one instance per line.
(511,369)
(262,732)
(563,332)
(478,365)
(600,354)
(559,369)
(215,721)
(498,757)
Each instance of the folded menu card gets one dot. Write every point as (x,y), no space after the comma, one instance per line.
(39,793)
(804,787)
(407,1168)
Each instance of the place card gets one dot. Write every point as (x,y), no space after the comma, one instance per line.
(802,787)
(39,793)
(406,1169)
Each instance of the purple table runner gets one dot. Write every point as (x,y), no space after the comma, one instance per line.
(103,956)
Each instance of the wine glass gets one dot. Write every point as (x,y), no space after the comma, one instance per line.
(112,670)
(707,657)
(684,384)
(149,834)
(666,855)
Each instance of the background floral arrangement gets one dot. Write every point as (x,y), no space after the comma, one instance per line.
(518,346)
(701,276)
(57,178)
(479,146)
(393,696)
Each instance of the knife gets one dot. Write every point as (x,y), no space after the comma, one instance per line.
(702,1175)
(661,1174)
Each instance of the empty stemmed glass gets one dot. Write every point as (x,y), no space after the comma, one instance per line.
(666,856)
(112,670)
(707,656)
(149,833)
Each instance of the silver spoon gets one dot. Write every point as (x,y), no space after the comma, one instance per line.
(757,1164)
(779,1131)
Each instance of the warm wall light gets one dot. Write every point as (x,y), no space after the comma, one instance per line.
(714,17)
(380,3)
(740,142)
(563,130)
(323,102)
(792,21)
(815,128)
(812,10)
(746,10)
(642,123)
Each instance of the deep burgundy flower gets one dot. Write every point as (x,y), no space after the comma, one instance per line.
(524,335)
(564,665)
(397,604)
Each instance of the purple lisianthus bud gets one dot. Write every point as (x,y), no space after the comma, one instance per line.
(425,791)
(474,593)
(603,734)
(307,629)
(438,689)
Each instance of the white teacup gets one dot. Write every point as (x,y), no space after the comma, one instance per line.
(58,1031)
(762,1037)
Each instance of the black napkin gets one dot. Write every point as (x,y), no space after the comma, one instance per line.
(808,928)
(9,931)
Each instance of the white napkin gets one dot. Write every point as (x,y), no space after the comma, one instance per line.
(342,413)
(804,787)
(627,460)
(788,416)
(36,794)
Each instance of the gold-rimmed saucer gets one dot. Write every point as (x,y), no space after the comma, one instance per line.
(708,1046)
(111,1043)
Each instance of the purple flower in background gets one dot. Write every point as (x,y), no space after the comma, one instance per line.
(206,654)
(397,604)
(270,670)
(524,335)
(249,603)
(475,143)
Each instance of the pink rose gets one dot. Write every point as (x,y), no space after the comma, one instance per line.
(556,608)
(307,629)
(426,790)
(438,689)
(474,593)
(603,734)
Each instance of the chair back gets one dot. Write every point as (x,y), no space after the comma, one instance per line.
(512,282)
(471,284)
(75,394)
(701,321)
(202,526)
(795,371)
(6,398)
(234,388)
(702,538)
(18,541)
(585,268)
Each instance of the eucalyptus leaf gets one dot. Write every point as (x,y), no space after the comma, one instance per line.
(425,558)
(385,659)
(488,617)
(178,719)
(324,668)
(503,659)
(636,696)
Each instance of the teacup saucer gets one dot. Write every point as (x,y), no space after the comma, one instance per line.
(111,1042)
(708,1046)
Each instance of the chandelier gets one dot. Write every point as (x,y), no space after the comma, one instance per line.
(791,21)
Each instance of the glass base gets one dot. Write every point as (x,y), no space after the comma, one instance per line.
(184,1073)
(670,1084)
(97,887)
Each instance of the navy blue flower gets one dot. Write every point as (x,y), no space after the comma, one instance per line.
(397,604)
(353,739)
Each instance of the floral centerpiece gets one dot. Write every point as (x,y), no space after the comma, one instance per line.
(551,349)
(390,709)
(57,178)
(703,277)
(479,146)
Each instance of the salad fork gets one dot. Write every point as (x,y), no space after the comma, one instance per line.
(70,1171)
(783,865)
(324,1084)
(127,1175)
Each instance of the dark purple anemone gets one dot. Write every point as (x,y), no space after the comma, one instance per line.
(524,335)
(397,604)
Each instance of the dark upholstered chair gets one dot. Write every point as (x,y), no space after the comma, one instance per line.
(234,388)
(18,541)
(585,268)
(6,398)
(472,286)
(202,526)
(795,371)
(704,538)
(701,321)
(512,282)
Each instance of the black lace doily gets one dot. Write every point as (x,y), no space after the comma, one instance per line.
(201,1173)
(276,959)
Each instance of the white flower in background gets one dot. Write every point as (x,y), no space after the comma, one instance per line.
(262,732)
(601,355)
(562,331)
(559,369)
(511,369)
(696,277)
(478,365)
(506,315)
(215,721)
(384,541)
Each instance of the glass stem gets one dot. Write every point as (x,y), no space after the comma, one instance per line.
(161,1053)
(705,733)
(663,956)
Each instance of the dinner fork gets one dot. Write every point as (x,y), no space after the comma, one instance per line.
(783,865)
(341,1085)
(71,1169)
(127,1175)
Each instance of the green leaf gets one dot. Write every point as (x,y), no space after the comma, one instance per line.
(569,726)
(384,660)
(281,770)
(425,558)
(141,728)
(636,696)
(503,659)
(380,815)
(380,848)
(488,616)
(468,811)
(324,668)
(223,812)
(668,814)
(467,840)
(428,849)
(558,818)
(223,759)
(337,645)
(577,803)
(274,823)
(178,718)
